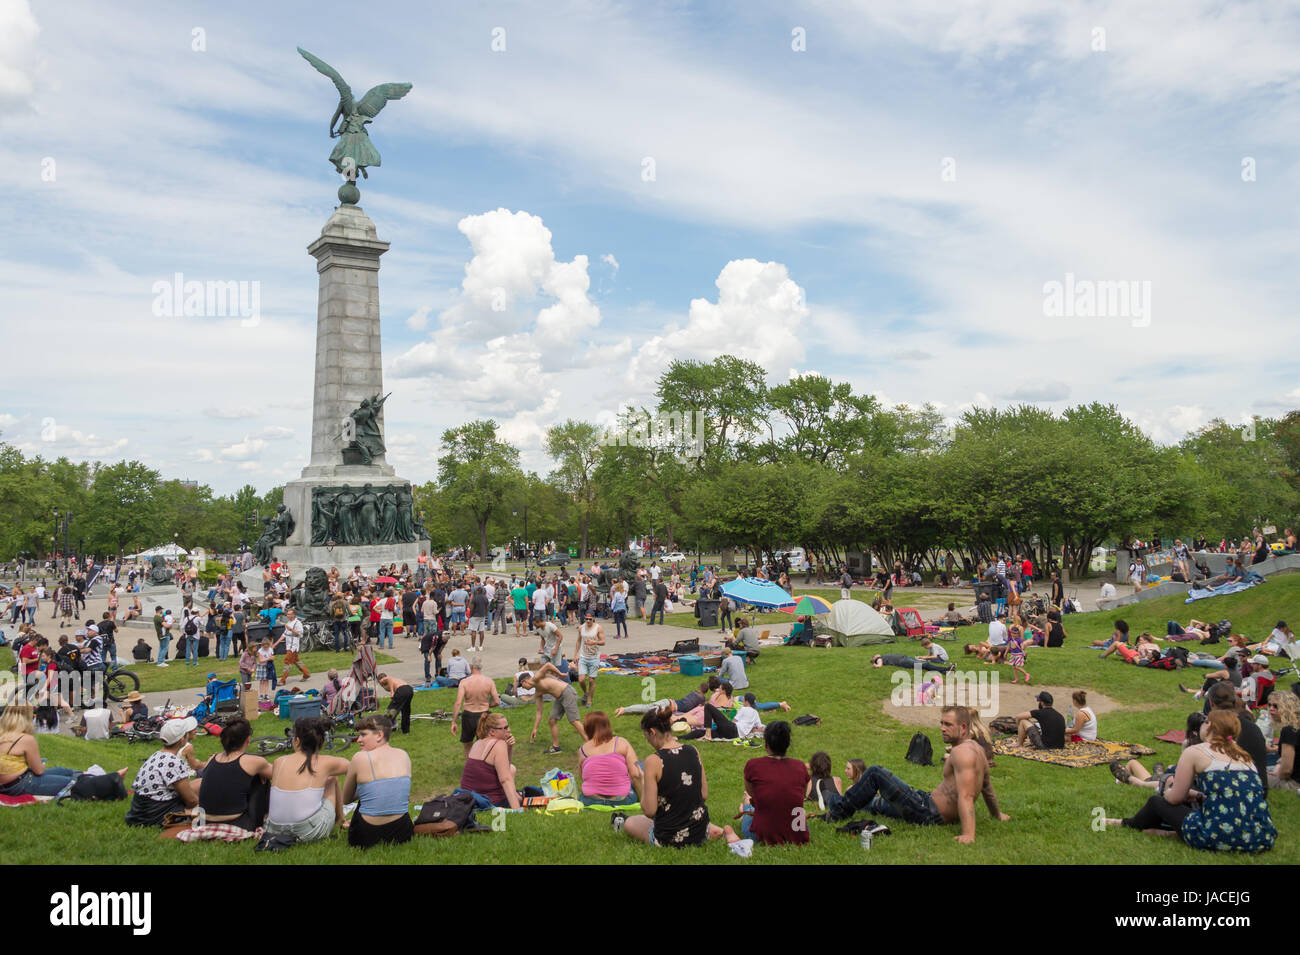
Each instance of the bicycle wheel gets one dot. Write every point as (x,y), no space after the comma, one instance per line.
(119,683)
(337,743)
(265,745)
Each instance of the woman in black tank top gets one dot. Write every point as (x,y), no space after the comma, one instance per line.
(235,787)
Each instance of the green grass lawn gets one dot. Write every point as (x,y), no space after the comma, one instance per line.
(1051,807)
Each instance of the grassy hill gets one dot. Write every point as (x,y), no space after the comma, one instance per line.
(1051,807)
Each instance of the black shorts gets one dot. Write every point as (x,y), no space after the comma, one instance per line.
(469,726)
(363,835)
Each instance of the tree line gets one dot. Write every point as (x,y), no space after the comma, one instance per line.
(722,460)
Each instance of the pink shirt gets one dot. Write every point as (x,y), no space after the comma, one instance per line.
(605,776)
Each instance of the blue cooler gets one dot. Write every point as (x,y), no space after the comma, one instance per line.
(691,664)
(301,706)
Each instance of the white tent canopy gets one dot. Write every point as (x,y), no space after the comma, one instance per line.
(162,550)
(853,623)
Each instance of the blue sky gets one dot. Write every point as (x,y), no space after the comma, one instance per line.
(799,215)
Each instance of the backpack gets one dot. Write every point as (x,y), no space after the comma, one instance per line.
(447,815)
(87,788)
(808,719)
(920,750)
(338,613)
(70,659)
(190,628)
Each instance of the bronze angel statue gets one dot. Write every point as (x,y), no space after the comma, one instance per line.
(353,140)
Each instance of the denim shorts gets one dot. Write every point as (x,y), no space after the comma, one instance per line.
(588,667)
(457,616)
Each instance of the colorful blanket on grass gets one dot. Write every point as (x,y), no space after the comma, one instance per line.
(1094,753)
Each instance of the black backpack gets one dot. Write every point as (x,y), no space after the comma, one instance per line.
(191,625)
(457,808)
(106,788)
(920,751)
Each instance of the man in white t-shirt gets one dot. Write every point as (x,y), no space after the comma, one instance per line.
(1108,591)
(292,644)
(654,570)
(997,634)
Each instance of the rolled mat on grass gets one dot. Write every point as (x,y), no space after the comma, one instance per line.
(1096,753)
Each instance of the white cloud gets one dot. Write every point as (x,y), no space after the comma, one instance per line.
(608,259)
(419,321)
(1040,391)
(231,414)
(18,32)
(275,432)
(250,447)
(757,316)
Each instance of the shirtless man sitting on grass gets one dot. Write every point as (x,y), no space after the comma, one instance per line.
(965,775)
(547,679)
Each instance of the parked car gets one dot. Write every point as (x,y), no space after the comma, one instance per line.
(676,557)
(556,559)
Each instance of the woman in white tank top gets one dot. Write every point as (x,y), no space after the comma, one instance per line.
(1084,726)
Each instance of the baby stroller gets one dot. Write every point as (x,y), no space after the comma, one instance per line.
(359,690)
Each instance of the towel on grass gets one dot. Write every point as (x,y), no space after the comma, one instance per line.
(1094,753)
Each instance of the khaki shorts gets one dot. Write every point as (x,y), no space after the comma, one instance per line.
(566,706)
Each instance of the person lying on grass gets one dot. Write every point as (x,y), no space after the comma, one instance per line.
(1144,650)
(965,776)
(1234,814)
(1133,773)
(675,791)
(908,663)
(547,679)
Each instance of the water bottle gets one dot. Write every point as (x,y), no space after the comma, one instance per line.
(1069,715)
(865,839)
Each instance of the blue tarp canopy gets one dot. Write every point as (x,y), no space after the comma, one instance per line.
(757,592)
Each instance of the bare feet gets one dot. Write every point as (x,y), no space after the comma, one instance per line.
(730,834)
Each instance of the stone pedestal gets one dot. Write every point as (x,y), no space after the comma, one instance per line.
(349,368)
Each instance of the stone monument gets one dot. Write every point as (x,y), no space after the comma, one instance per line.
(348,507)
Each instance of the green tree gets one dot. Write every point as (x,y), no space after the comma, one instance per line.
(124,507)
(477,473)
(575,445)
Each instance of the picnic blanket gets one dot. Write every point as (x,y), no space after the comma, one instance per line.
(26,800)
(1094,753)
(639,664)
(1233,587)
(1174,736)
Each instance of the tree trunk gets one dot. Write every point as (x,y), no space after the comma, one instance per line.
(482,537)
(585,519)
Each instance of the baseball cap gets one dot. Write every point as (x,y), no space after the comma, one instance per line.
(174,730)
(1259,660)
(1044,697)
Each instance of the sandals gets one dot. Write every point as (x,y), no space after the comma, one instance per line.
(1119,771)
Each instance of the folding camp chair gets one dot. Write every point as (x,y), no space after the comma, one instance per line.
(910,619)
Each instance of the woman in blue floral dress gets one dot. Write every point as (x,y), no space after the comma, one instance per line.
(1233,813)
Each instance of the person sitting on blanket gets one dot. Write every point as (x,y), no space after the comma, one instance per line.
(1083,729)
(1043,728)
(165,782)
(1233,815)
(234,785)
(1135,774)
(1278,641)
(965,776)
(22,770)
(906,662)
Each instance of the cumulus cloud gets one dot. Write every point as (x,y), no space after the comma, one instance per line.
(608,259)
(231,414)
(419,321)
(758,316)
(274,432)
(250,447)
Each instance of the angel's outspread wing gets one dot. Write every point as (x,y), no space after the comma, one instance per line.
(345,91)
(377,98)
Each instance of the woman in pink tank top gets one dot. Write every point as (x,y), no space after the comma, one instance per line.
(611,774)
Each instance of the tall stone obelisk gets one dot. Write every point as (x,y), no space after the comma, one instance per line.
(349,371)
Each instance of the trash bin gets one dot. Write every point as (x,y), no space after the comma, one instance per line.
(989,587)
(708,611)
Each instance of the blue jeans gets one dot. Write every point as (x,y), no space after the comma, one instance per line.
(883,794)
(341,634)
(658,608)
(163,644)
(620,622)
(386,627)
(446,681)
(50,783)
(428,676)
(192,649)
(223,645)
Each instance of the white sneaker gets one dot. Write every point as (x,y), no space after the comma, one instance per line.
(744,848)
(163,665)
